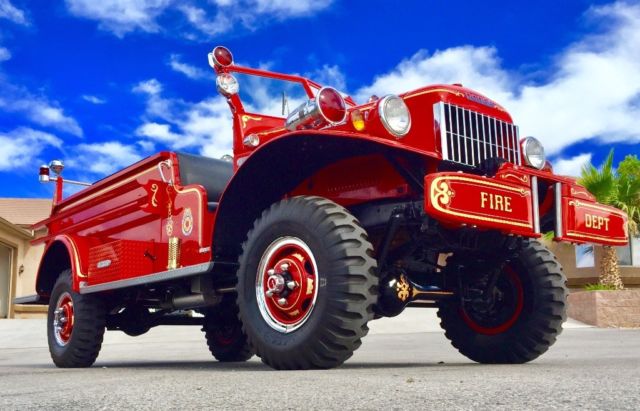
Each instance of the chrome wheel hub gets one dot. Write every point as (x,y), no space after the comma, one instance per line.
(286,284)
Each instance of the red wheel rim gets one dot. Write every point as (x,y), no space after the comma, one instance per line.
(227,335)
(287,284)
(63,319)
(517,298)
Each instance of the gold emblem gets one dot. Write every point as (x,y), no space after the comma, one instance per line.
(169,227)
(246,118)
(187,222)
(154,200)
(403,289)
(523,179)
(442,193)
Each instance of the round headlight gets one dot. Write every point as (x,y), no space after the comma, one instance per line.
(227,85)
(533,152)
(395,116)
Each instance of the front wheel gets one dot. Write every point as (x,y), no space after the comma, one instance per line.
(306,284)
(513,318)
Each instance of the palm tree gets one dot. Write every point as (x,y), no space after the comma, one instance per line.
(621,191)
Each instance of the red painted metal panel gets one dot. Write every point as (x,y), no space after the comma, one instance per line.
(457,199)
(587,221)
(111,261)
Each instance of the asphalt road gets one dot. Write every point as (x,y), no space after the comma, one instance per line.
(398,367)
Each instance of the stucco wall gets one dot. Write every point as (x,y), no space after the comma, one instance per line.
(579,277)
(26,258)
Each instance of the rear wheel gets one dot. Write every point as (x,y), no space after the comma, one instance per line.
(75,325)
(522,316)
(225,338)
(306,284)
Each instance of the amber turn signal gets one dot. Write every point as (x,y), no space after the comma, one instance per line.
(357,120)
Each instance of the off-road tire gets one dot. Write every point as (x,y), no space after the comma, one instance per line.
(347,286)
(538,324)
(225,338)
(89,323)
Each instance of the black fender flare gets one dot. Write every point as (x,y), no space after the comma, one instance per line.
(274,170)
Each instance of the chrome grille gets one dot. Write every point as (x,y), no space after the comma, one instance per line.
(469,137)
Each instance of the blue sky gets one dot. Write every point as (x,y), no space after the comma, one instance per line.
(101,84)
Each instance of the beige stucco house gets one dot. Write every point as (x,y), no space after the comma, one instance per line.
(19,260)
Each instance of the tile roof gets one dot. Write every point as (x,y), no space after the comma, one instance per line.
(24,211)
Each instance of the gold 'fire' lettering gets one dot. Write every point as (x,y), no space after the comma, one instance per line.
(495,202)
(596,222)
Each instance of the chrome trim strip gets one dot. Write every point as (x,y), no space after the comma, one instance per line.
(148,279)
(438,113)
(450,131)
(459,159)
(478,139)
(536,206)
(518,148)
(464,135)
(558,198)
(484,140)
(494,138)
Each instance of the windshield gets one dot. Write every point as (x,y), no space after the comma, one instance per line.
(270,96)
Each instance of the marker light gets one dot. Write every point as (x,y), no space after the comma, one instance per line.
(56,166)
(220,57)
(44,174)
(394,115)
(328,107)
(357,120)
(332,105)
(227,85)
(252,140)
(533,152)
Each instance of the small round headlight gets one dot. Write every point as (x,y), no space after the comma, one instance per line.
(394,115)
(227,85)
(533,152)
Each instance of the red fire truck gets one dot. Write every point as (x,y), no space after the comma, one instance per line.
(326,217)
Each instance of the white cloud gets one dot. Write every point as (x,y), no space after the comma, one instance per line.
(151,86)
(20,148)
(593,91)
(11,12)
(288,8)
(571,166)
(188,70)
(208,23)
(329,76)
(121,16)
(5,54)
(203,126)
(219,16)
(38,109)
(159,132)
(147,146)
(107,157)
(93,99)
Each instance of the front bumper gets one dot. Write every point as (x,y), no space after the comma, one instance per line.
(516,200)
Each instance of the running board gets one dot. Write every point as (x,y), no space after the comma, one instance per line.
(31,299)
(147,279)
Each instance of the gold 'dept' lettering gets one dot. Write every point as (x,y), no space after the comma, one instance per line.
(596,222)
(495,202)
